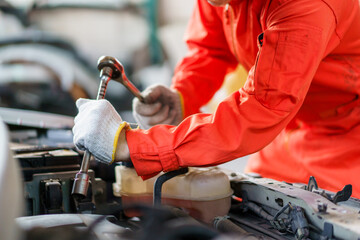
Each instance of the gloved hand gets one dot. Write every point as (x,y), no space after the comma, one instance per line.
(162,106)
(97,129)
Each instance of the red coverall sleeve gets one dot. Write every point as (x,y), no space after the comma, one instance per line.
(201,72)
(293,46)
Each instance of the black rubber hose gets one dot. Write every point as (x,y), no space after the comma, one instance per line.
(161,180)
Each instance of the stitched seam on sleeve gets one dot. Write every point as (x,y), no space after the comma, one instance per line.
(336,20)
(168,159)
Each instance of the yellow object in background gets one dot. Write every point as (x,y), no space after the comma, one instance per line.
(233,82)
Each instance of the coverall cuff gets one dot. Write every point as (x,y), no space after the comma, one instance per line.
(188,107)
(168,159)
(146,158)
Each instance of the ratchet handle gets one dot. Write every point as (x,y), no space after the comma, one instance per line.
(110,69)
(82,179)
(131,87)
(108,63)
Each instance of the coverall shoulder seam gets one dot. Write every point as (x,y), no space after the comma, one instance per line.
(330,8)
(335,17)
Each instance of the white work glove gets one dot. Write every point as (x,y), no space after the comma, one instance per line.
(97,128)
(162,106)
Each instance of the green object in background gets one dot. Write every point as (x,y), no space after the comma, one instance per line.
(156,55)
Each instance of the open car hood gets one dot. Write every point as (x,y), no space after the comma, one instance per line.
(35,119)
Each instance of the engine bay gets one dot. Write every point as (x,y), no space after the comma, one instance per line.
(204,203)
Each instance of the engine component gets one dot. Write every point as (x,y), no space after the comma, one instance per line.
(161,180)
(48,174)
(204,192)
(50,193)
(52,197)
(38,160)
(300,211)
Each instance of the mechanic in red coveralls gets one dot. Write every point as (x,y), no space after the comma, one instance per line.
(299,108)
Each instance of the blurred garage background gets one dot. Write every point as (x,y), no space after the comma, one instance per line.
(49,51)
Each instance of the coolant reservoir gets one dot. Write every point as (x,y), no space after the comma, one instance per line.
(203,192)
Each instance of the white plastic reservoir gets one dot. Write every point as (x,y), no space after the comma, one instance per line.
(203,192)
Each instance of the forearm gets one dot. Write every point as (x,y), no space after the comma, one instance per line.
(240,126)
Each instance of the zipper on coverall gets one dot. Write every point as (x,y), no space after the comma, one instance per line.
(229,11)
(260,40)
